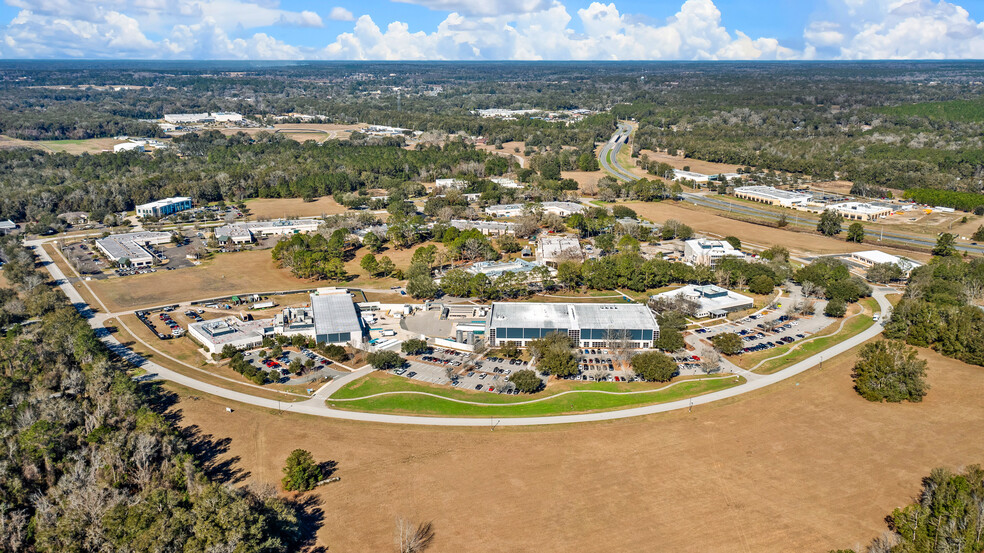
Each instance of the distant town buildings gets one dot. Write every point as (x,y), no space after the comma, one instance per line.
(701,251)
(132,247)
(162,208)
(772,196)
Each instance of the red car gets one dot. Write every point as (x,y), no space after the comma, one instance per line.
(491,388)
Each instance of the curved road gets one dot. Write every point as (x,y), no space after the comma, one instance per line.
(316,404)
(618,171)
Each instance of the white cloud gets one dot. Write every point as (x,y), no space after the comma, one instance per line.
(339,13)
(485,7)
(895,29)
(479,29)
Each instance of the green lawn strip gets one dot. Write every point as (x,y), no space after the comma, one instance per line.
(509,405)
(853,327)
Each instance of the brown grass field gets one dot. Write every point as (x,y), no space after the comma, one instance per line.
(231,273)
(91,146)
(805,465)
(307,131)
(705,219)
(275,208)
(696,165)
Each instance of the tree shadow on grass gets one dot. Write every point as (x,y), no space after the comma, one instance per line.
(310,518)
(208,451)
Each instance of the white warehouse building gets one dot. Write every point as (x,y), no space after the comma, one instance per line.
(589,325)
(711,300)
(244,233)
(132,247)
(772,196)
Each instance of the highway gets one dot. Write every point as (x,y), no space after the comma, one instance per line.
(797,218)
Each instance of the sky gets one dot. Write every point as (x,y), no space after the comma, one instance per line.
(492,29)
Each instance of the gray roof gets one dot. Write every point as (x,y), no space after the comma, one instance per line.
(572,316)
(130,245)
(7,225)
(334,313)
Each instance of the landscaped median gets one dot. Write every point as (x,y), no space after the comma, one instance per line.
(385,393)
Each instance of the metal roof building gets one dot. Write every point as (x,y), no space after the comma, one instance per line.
(132,246)
(772,196)
(336,319)
(587,324)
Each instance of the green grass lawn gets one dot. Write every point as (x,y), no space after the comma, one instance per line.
(511,406)
(853,327)
(63,141)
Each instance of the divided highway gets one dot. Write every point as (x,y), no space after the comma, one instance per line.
(621,136)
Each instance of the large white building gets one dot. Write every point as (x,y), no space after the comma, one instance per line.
(243,233)
(590,325)
(132,247)
(488,228)
(230,331)
(711,300)
(557,248)
(506,182)
(701,251)
(772,196)
(451,183)
(859,211)
(873,257)
(162,208)
(563,209)
(190,118)
(331,318)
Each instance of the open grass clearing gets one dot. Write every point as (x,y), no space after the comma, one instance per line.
(280,208)
(804,465)
(696,165)
(514,406)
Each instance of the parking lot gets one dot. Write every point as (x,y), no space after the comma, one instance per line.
(321,371)
(770,329)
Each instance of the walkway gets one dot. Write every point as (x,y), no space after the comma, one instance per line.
(316,404)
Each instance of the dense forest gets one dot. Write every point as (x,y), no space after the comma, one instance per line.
(883,125)
(93,461)
(938,309)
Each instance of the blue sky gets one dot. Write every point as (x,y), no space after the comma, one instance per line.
(492,29)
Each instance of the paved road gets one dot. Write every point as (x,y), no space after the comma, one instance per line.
(620,172)
(316,406)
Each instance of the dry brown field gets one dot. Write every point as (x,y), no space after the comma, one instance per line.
(318,132)
(805,465)
(91,146)
(707,221)
(834,187)
(508,148)
(696,165)
(587,181)
(231,273)
(276,208)
(250,271)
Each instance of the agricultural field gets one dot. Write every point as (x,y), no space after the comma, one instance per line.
(805,465)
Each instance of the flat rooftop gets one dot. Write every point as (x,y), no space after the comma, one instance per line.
(335,313)
(572,316)
(859,207)
(770,192)
(130,245)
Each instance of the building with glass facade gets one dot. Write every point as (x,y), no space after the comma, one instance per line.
(589,325)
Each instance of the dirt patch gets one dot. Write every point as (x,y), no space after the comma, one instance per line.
(508,149)
(277,208)
(587,181)
(90,146)
(805,465)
